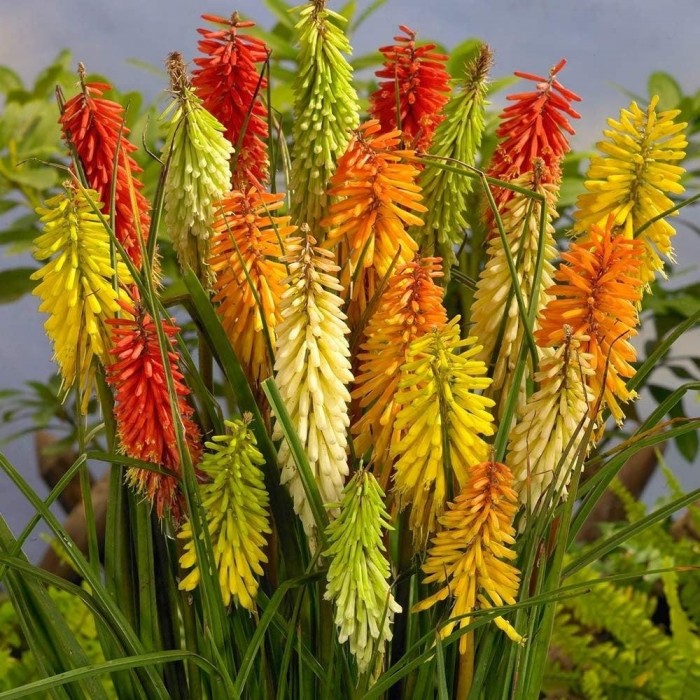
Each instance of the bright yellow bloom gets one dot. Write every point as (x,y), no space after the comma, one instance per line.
(553,422)
(234,501)
(378,197)
(245,256)
(471,554)
(495,306)
(438,409)
(633,178)
(410,306)
(75,285)
(597,293)
(359,571)
(312,369)
(198,174)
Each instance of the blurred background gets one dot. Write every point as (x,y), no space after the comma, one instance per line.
(614,50)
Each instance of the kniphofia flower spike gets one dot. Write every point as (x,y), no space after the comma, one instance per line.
(94,126)
(415,86)
(228,79)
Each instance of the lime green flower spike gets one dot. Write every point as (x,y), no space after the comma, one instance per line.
(457,138)
(235,502)
(358,572)
(199,172)
(325,110)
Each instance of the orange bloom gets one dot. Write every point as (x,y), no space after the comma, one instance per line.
(228,82)
(411,306)
(597,292)
(416,82)
(244,255)
(142,405)
(378,195)
(95,127)
(533,128)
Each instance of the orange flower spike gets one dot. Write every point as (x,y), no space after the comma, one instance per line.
(142,405)
(596,294)
(244,255)
(228,81)
(416,79)
(379,195)
(94,126)
(411,306)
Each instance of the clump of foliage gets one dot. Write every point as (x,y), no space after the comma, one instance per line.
(364,474)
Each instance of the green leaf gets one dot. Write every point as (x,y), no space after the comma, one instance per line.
(607,544)
(281,10)
(15,283)
(9,80)
(90,672)
(6,205)
(687,445)
(667,88)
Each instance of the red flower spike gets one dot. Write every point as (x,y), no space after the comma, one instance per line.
(535,126)
(228,80)
(416,76)
(95,127)
(142,405)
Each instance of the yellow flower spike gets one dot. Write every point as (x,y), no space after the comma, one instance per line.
(554,419)
(235,502)
(435,390)
(75,284)
(312,369)
(470,555)
(633,177)
(494,299)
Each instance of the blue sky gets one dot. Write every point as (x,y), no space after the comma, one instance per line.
(607,43)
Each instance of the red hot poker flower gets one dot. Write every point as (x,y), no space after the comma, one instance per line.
(416,78)
(229,83)
(596,297)
(95,127)
(534,127)
(142,405)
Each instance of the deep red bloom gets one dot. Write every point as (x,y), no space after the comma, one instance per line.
(415,77)
(95,127)
(534,127)
(229,83)
(142,405)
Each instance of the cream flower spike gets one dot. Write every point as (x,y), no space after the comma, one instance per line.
(312,369)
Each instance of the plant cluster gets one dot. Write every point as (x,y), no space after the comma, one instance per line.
(350,488)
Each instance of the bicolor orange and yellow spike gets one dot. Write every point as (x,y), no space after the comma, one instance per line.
(410,307)
(442,422)
(248,276)
(471,554)
(597,293)
(378,198)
